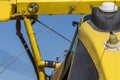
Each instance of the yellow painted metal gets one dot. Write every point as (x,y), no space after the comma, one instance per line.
(37,57)
(107,61)
(13,1)
(41,63)
(57,65)
(60,6)
(47,7)
(5,10)
(111,64)
(56,72)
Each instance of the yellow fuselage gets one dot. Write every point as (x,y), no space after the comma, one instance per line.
(106,61)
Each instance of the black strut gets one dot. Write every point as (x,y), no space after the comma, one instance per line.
(19,34)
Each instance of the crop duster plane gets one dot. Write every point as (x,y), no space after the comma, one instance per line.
(94,53)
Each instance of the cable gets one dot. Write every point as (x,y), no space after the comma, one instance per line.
(55,23)
(42,35)
(61,56)
(70,49)
(4,61)
(11,63)
(99,65)
(29,53)
(53,31)
(7,59)
(72,7)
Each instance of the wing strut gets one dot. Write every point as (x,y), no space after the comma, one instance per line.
(19,34)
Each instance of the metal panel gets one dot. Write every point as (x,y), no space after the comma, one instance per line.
(5,10)
(60,6)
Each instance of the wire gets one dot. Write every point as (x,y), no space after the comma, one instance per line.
(71,9)
(7,59)
(53,31)
(42,35)
(11,63)
(99,65)
(36,33)
(61,56)
(110,33)
(4,61)
(55,23)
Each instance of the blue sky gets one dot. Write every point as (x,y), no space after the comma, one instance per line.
(50,45)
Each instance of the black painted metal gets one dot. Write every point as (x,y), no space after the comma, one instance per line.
(29,53)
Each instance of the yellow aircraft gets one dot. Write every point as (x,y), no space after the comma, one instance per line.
(94,53)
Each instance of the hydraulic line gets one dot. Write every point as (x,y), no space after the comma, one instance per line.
(19,34)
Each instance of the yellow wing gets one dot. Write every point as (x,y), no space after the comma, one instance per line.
(12,8)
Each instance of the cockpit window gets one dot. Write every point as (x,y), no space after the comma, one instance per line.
(82,67)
